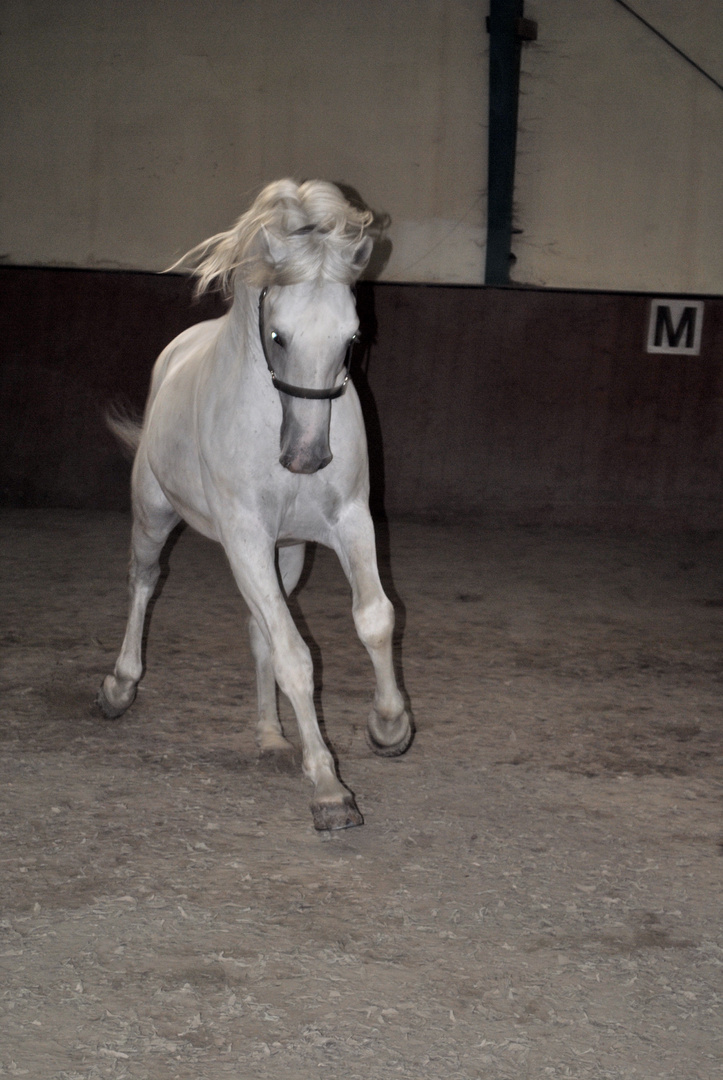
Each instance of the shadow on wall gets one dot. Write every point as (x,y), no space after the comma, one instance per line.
(362,356)
(382,252)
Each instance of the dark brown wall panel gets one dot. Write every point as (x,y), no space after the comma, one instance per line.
(522,405)
(544,406)
(75,342)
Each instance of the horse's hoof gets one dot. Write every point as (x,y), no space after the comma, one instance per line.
(389,738)
(332,816)
(110,709)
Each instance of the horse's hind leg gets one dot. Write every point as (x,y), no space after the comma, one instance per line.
(151,526)
(389,728)
(269,735)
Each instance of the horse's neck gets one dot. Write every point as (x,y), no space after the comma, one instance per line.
(245,307)
(240,341)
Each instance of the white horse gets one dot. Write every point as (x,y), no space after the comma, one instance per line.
(253,435)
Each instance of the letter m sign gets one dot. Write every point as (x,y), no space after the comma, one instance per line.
(675,326)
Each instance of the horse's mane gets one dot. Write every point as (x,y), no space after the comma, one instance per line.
(292,233)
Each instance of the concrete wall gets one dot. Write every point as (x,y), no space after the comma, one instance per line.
(620,149)
(134,130)
(131,131)
(522,405)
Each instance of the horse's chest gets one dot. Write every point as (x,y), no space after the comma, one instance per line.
(310,513)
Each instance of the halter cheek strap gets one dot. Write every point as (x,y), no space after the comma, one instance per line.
(288,388)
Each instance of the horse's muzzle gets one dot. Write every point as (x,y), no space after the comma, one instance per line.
(305,436)
(305,462)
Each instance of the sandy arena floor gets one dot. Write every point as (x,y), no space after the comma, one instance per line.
(536,891)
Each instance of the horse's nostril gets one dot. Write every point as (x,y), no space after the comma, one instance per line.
(306,464)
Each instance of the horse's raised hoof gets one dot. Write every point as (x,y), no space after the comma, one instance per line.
(110,708)
(333,816)
(389,738)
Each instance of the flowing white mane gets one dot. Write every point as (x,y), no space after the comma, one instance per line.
(293,232)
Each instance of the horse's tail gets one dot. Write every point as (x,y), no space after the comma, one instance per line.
(126,428)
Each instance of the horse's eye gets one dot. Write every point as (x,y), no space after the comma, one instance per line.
(278,340)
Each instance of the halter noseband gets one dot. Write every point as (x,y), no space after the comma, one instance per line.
(287,388)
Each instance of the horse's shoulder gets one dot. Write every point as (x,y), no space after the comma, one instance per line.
(199,333)
(183,347)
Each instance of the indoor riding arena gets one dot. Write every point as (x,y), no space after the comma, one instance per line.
(535,890)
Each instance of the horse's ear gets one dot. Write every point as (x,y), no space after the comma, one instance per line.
(362,254)
(276,250)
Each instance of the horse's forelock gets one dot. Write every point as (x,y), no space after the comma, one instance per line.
(316,252)
(318,228)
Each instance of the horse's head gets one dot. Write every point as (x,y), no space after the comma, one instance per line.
(307,331)
(308,324)
(302,246)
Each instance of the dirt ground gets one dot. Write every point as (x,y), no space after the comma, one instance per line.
(535,891)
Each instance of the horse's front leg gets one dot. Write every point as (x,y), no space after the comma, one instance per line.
(333,806)
(389,727)
(270,737)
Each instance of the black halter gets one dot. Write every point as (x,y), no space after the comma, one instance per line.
(298,391)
